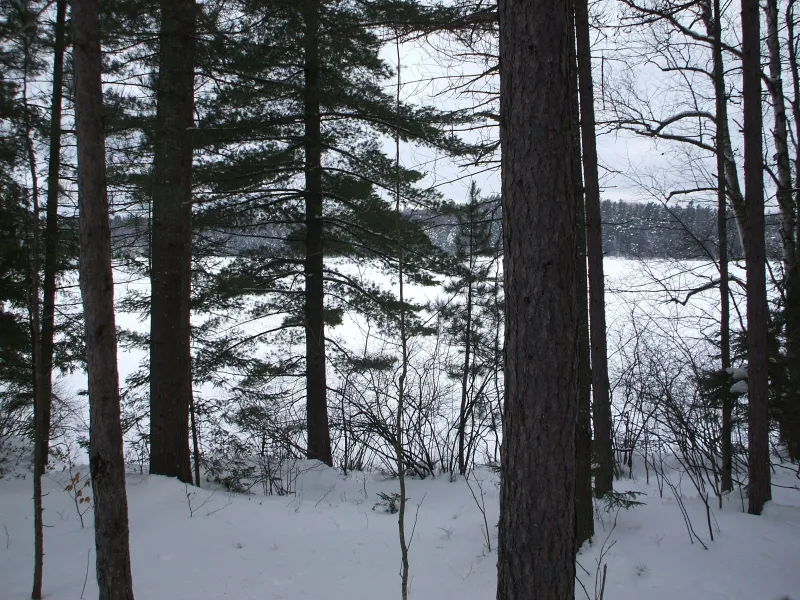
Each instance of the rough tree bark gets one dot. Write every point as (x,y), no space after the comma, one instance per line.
(97,290)
(44,388)
(603,429)
(584,510)
(319,437)
(536,545)
(170,276)
(759,490)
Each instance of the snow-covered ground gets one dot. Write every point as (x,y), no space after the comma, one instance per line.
(327,541)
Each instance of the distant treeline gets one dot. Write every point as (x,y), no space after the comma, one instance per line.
(630,230)
(686,231)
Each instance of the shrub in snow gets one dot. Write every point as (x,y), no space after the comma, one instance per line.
(78,489)
(266,473)
(388,503)
(615,500)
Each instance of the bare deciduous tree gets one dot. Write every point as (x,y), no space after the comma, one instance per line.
(602,447)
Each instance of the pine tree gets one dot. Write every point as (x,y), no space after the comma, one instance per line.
(471,312)
(16,366)
(298,116)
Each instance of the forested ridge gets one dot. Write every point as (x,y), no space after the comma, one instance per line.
(630,230)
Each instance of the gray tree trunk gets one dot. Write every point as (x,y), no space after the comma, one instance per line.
(97,290)
(726,450)
(603,429)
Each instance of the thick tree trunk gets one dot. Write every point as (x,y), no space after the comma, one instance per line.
(603,428)
(170,345)
(44,387)
(584,510)
(726,449)
(97,290)
(759,490)
(790,406)
(536,546)
(319,438)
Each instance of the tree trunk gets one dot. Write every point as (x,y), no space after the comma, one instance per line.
(97,290)
(722,233)
(170,332)
(584,510)
(536,547)
(723,142)
(195,439)
(734,191)
(759,490)
(33,244)
(779,136)
(603,428)
(462,415)
(319,438)
(401,380)
(791,433)
(44,387)
(790,406)
(51,229)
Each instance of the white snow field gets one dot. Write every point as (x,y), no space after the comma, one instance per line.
(325,542)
